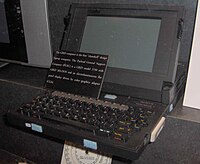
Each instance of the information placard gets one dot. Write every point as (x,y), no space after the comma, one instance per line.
(74,155)
(77,73)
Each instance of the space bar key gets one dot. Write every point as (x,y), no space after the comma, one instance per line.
(73,123)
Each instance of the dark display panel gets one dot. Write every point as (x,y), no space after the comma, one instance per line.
(4,36)
(12,40)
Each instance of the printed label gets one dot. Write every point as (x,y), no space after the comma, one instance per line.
(36,128)
(90,144)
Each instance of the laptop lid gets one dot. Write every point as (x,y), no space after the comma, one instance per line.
(142,43)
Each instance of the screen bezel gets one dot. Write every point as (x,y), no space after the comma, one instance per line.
(166,58)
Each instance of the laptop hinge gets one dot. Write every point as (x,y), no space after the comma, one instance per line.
(66,22)
(171,92)
(180,29)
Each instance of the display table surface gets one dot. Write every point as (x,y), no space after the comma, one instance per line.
(178,142)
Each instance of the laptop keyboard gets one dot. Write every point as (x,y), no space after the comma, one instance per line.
(114,121)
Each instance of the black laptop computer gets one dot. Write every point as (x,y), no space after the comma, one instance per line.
(143,80)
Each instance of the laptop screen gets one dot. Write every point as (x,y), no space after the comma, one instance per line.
(130,42)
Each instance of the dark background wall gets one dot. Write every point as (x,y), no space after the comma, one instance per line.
(59,8)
